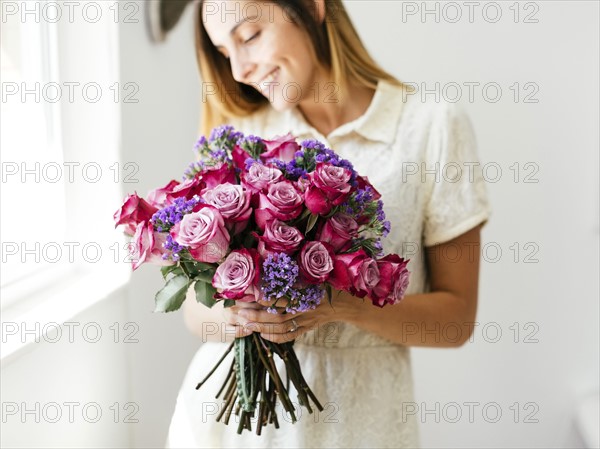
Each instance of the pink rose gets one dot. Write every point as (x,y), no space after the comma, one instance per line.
(282,201)
(133,211)
(282,147)
(259,177)
(158,197)
(353,273)
(148,246)
(316,262)
(393,281)
(204,234)
(280,238)
(238,276)
(338,231)
(329,186)
(233,201)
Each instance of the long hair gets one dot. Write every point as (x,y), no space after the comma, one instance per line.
(335,42)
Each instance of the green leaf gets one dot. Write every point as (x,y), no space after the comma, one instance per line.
(205,293)
(172,295)
(206,276)
(312,221)
(229,303)
(175,269)
(329,293)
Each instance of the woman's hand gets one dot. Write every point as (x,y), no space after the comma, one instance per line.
(246,317)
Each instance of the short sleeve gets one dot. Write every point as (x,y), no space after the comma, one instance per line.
(458,198)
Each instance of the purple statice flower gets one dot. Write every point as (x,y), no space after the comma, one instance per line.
(225,134)
(305,299)
(280,272)
(252,144)
(201,145)
(360,203)
(172,249)
(164,219)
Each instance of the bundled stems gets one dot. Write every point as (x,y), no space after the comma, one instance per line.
(253,383)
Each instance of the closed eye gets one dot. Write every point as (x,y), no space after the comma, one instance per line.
(251,38)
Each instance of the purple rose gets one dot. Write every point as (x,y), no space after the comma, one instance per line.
(329,186)
(316,262)
(339,231)
(238,276)
(279,238)
(393,281)
(233,202)
(259,177)
(367,277)
(282,201)
(204,234)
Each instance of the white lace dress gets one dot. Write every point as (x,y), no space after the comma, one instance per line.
(414,153)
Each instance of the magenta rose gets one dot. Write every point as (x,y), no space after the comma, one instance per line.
(338,231)
(158,197)
(212,177)
(329,186)
(238,276)
(148,246)
(259,177)
(363,183)
(280,238)
(316,262)
(282,147)
(134,211)
(233,201)
(282,201)
(204,234)
(187,189)
(239,157)
(351,272)
(393,281)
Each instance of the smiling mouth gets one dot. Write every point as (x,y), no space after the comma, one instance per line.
(271,77)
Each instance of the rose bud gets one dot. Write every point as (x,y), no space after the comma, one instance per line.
(133,211)
(148,246)
(238,276)
(279,238)
(316,262)
(393,282)
(338,231)
(233,202)
(282,148)
(204,234)
(282,201)
(329,186)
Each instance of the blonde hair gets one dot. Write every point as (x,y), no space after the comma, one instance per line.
(336,44)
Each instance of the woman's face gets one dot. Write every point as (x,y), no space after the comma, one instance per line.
(265,48)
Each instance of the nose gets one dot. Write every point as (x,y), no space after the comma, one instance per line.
(241,67)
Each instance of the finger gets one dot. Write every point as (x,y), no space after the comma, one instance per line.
(238,331)
(272,328)
(284,337)
(262,316)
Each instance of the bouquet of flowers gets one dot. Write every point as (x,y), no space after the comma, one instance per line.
(269,220)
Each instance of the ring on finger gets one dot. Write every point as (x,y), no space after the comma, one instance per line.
(295,326)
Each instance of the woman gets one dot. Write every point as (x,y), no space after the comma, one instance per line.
(299,66)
